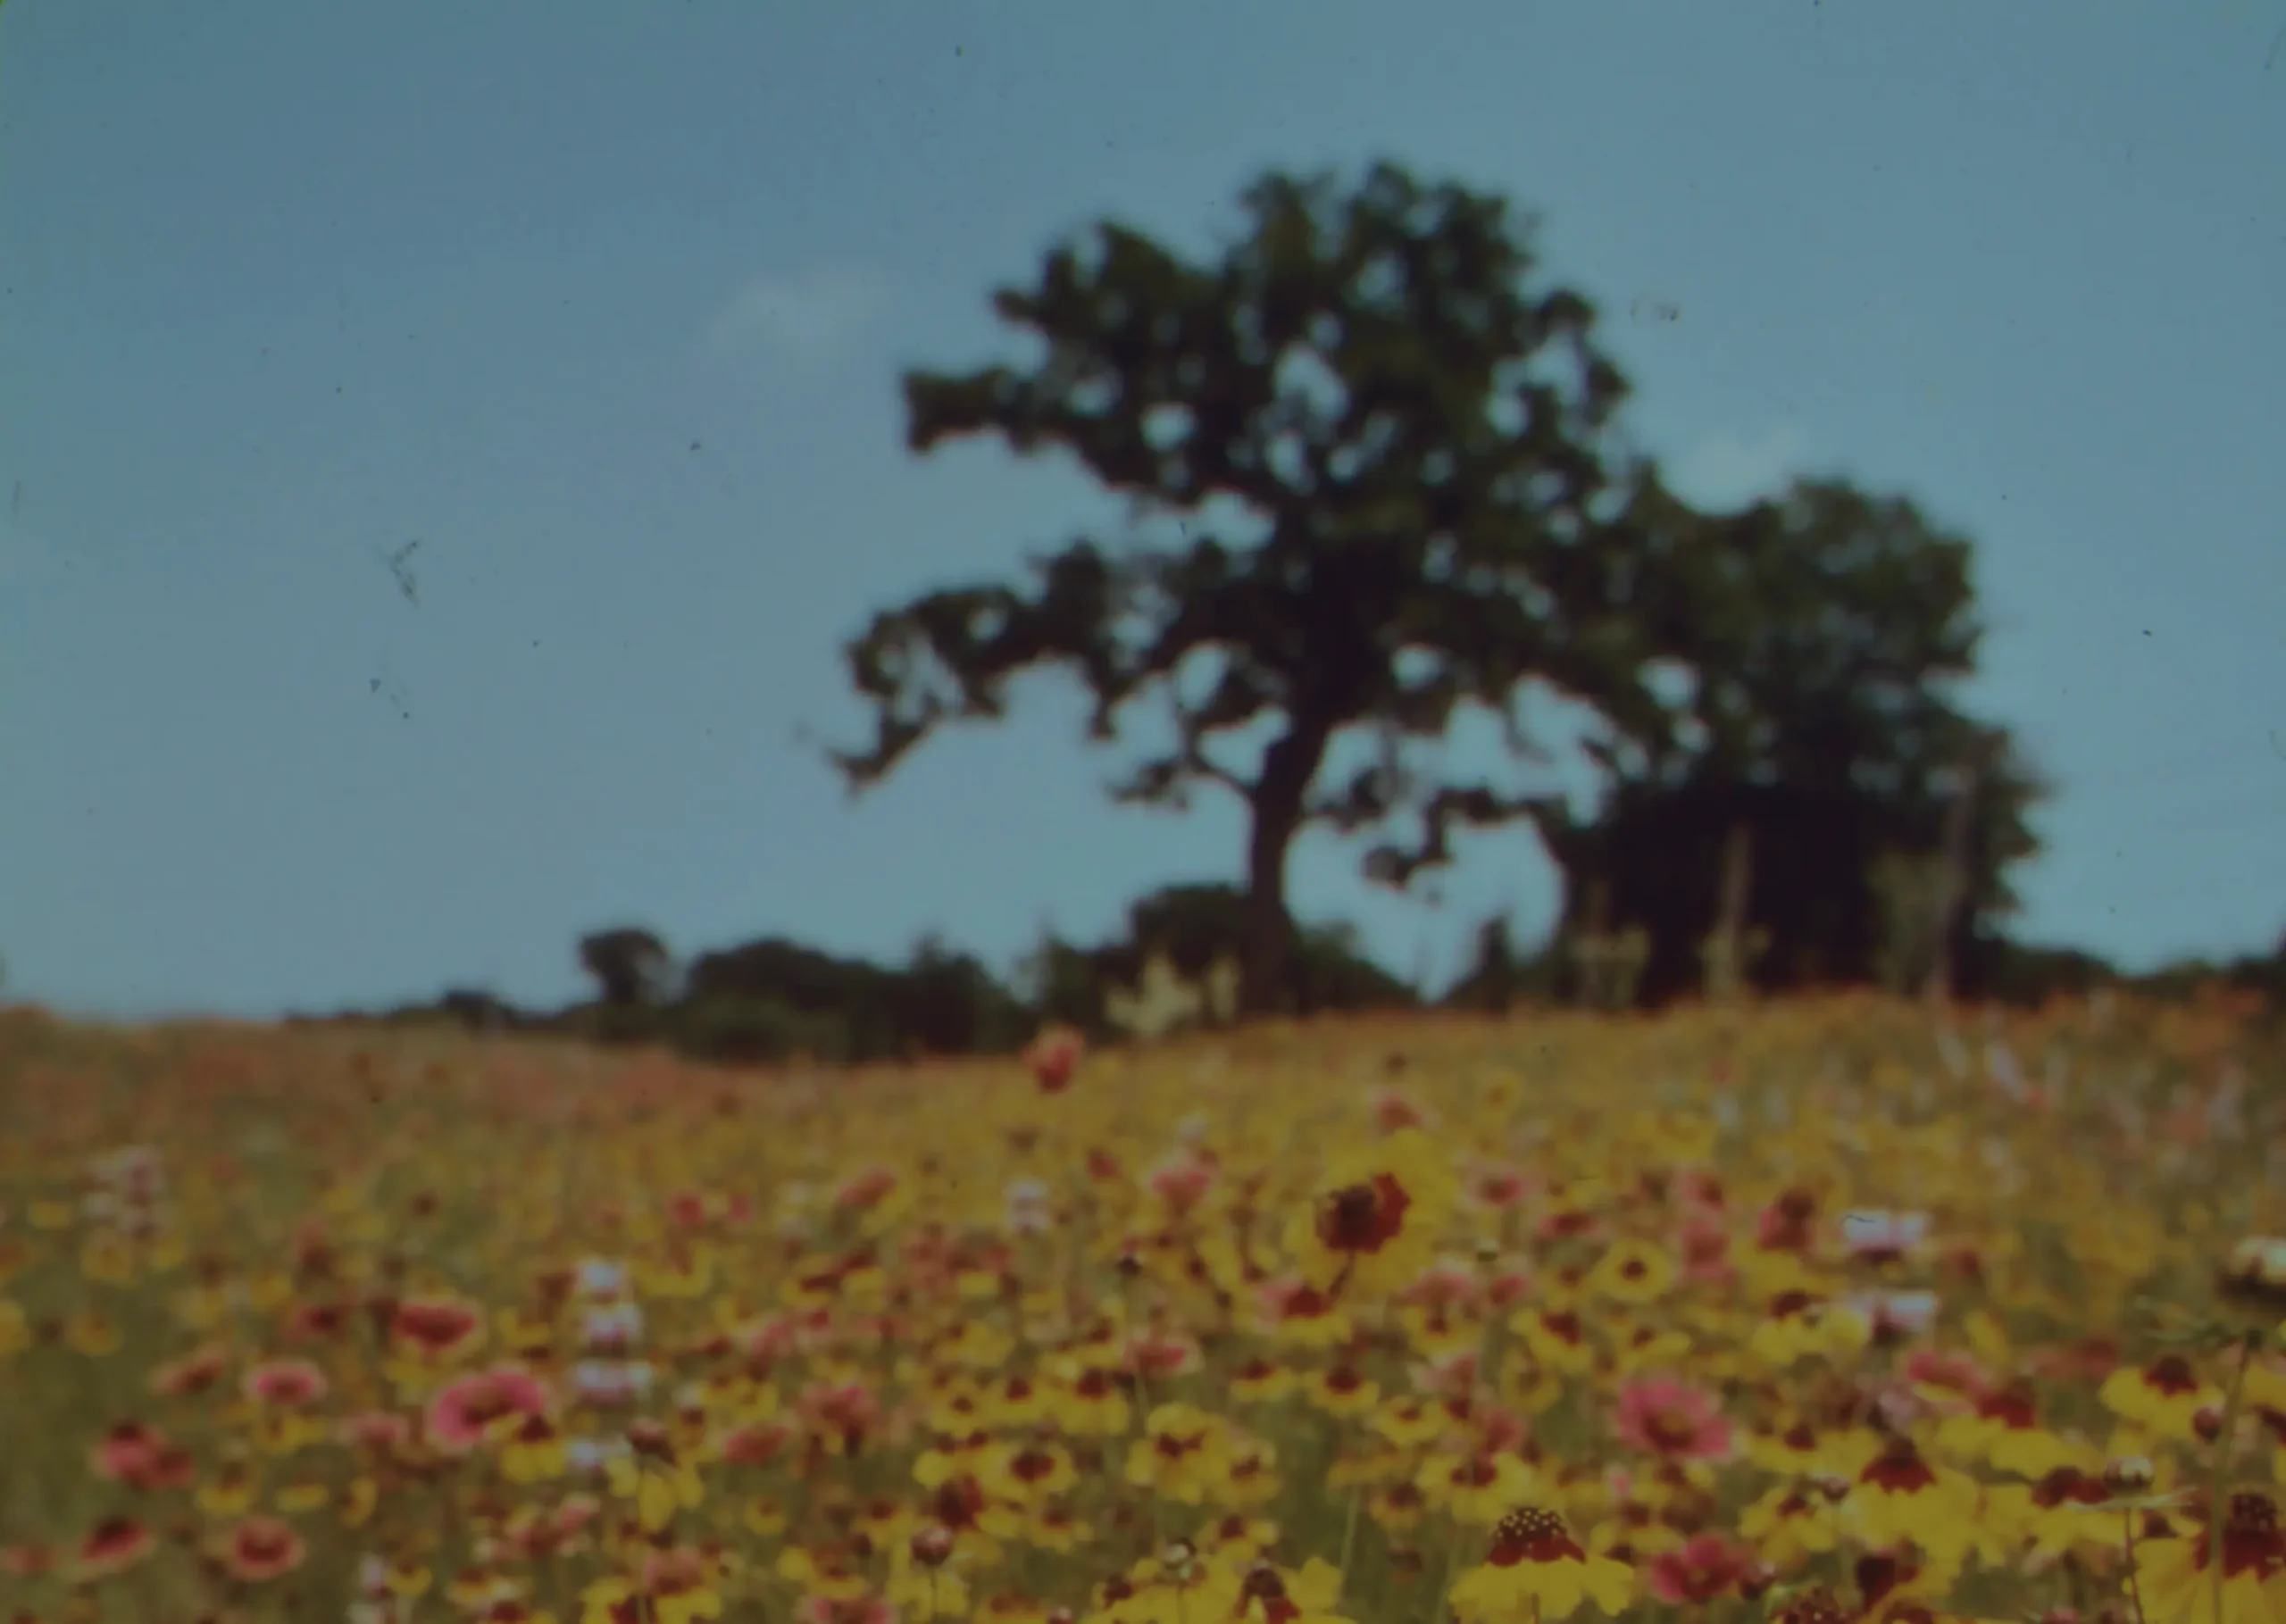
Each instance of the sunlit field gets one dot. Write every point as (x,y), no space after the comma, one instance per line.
(1840,1310)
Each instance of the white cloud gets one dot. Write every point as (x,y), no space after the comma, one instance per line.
(1729,470)
(802,313)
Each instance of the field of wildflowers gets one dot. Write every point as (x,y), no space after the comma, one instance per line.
(1835,1311)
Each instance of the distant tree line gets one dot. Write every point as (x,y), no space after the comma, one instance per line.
(1377,484)
(772,999)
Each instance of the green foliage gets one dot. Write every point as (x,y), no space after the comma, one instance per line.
(630,965)
(1196,928)
(1416,434)
(2028,974)
(1821,634)
(762,1030)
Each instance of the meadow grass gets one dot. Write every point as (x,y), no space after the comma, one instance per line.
(1843,1307)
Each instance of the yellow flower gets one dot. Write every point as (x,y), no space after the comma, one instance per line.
(1791,1523)
(1375,1217)
(1262,1382)
(1475,1487)
(298,1498)
(358,1500)
(1053,1528)
(2161,1397)
(531,1450)
(1801,1325)
(1342,1391)
(93,1335)
(1026,1474)
(1271,1594)
(1089,1403)
(1249,1475)
(1898,1496)
(1632,1271)
(825,1575)
(107,1258)
(1557,1339)
(658,1482)
(2003,1431)
(1179,1455)
(2176,1579)
(229,1494)
(1537,1569)
(610,1601)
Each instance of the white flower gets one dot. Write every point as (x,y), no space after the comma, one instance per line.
(600,1382)
(594,1456)
(1028,1208)
(612,1328)
(602,1278)
(1910,1312)
(1875,1232)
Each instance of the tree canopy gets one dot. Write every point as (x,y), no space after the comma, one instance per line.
(1388,444)
(1827,632)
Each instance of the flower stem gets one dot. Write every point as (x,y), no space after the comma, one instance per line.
(2134,1590)
(1349,1532)
(2219,1490)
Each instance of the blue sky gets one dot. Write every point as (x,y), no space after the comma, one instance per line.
(289,287)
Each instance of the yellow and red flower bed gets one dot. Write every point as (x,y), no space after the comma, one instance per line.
(1830,1311)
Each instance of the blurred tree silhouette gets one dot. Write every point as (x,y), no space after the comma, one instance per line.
(1820,635)
(630,965)
(1195,928)
(1390,459)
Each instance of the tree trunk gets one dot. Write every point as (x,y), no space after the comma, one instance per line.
(1728,966)
(1952,878)
(1266,979)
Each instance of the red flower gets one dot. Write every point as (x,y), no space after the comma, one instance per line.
(1661,1416)
(115,1543)
(261,1548)
(1702,1569)
(1054,1056)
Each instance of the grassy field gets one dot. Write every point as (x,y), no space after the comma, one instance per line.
(1832,1311)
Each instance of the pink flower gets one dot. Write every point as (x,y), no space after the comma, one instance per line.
(375,1430)
(1661,1416)
(847,1409)
(864,1189)
(1500,1428)
(1507,1288)
(1454,1373)
(1443,1284)
(458,1416)
(1054,1055)
(1501,1188)
(1700,1571)
(1393,1112)
(1290,1297)
(284,1384)
(756,1443)
(1706,1251)
(1181,1182)
(126,1452)
(1785,1224)
(1956,1372)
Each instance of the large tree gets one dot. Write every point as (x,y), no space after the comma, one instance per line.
(1828,630)
(1388,443)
